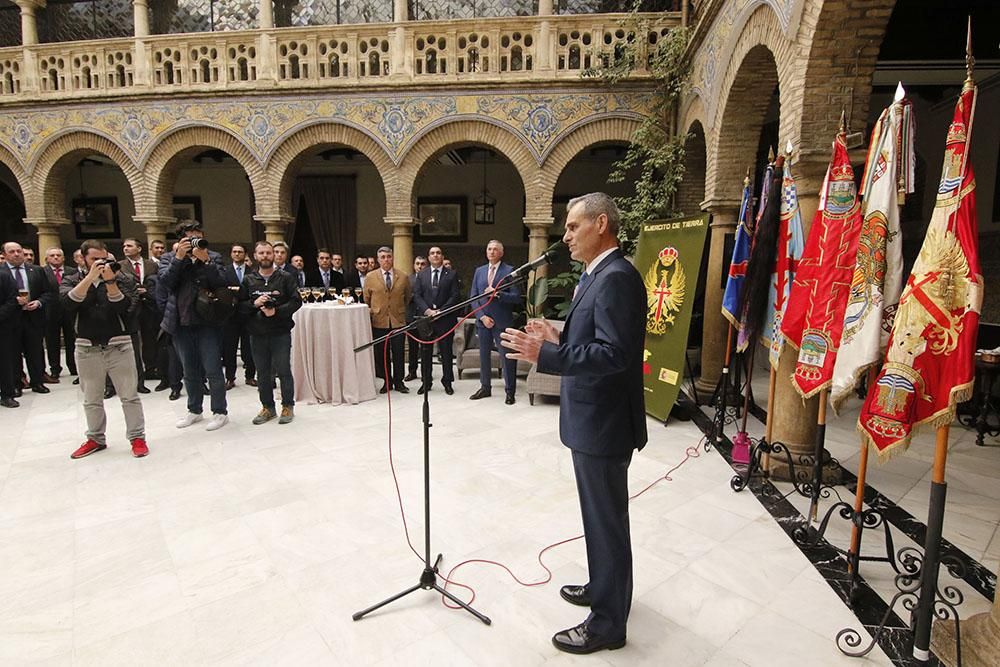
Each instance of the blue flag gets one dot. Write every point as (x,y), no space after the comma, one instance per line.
(738,266)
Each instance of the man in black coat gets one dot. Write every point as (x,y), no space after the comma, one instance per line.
(10,314)
(435,289)
(356,277)
(35,298)
(58,327)
(324,275)
(601,411)
(235,333)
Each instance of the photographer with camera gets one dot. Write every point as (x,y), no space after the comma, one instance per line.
(268,298)
(195,311)
(102,304)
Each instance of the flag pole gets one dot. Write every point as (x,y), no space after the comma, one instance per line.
(859,493)
(932,549)
(817,481)
(772,385)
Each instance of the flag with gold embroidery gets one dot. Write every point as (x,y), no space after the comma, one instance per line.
(878,272)
(814,318)
(930,360)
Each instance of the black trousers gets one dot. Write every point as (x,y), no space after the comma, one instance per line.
(149,330)
(413,355)
(236,335)
(166,358)
(602,483)
(29,344)
(7,372)
(396,362)
(63,326)
(445,345)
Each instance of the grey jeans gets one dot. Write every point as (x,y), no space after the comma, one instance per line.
(117,361)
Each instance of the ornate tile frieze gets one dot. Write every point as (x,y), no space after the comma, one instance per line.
(394,122)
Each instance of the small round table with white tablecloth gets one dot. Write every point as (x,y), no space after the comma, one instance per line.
(324,364)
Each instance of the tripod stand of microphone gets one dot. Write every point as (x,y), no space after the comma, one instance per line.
(429,577)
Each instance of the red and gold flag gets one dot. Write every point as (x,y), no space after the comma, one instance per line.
(814,317)
(930,360)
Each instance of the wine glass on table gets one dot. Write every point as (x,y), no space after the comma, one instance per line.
(317,293)
(358,292)
(304,294)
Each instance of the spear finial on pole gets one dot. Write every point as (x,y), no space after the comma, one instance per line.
(843,121)
(970,62)
(770,154)
(788,149)
(746,179)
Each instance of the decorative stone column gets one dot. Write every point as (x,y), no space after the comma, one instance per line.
(402,241)
(538,241)
(980,639)
(714,327)
(266,17)
(399,11)
(543,53)
(398,62)
(795,419)
(156,227)
(29,26)
(140,17)
(275,226)
(48,233)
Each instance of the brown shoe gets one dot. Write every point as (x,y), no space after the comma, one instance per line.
(230,384)
(251,382)
(50,379)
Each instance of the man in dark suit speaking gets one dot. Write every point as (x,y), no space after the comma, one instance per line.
(601,412)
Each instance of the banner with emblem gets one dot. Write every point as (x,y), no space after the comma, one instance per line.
(668,257)
(878,273)
(930,359)
(814,319)
(790,243)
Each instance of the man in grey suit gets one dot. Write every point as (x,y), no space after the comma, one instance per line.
(601,413)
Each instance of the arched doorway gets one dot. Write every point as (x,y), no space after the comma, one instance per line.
(12,227)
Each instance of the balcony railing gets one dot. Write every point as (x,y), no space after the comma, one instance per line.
(424,52)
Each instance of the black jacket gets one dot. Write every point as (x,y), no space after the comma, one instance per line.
(39,290)
(445,296)
(315,279)
(177,287)
(283,289)
(10,312)
(97,318)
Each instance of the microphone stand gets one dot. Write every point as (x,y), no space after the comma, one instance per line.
(428,578)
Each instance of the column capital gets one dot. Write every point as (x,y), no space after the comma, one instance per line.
(46,223)
(30,5)
(400,221)
(275,226)
(721,206)
(538,222)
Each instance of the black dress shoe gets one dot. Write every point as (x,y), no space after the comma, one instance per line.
(163,386)
(142,389)
(448,389)
(481,393)
(423,389)
(579,640)
(9,403)
(230,384)
(109,392)
(401,388)
(174,394)
(76,381)
(384,389)
(578,595)
(510,398)
(40,389)
(410,377)
(18,392)
(251,382)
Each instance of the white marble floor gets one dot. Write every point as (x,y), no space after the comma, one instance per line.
(255,544)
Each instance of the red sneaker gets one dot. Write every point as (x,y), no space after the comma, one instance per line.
(86,449)
(139,448)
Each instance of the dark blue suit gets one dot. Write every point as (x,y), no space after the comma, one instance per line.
(445,295)
(602,419)
(502,312)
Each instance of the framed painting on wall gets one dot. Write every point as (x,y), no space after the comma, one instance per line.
(441,219)
(96,217)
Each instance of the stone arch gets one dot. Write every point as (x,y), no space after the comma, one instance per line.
(844,39)
(22,181)
(284,164)
(691,190)
(46,199)
(604,130)
(173,150)
(752,80)
(403,201)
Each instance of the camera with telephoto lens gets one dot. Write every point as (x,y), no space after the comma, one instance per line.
(110,263)
(197,242)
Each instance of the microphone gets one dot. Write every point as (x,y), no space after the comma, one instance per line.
(547,257)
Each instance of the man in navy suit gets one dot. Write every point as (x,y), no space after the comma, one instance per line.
(494,318)
(35,297)
(435,289)
(601,413)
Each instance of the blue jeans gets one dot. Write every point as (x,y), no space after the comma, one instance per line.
(272,354)
(200,348)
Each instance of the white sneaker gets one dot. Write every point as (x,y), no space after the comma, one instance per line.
(216,422)
(188,419)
